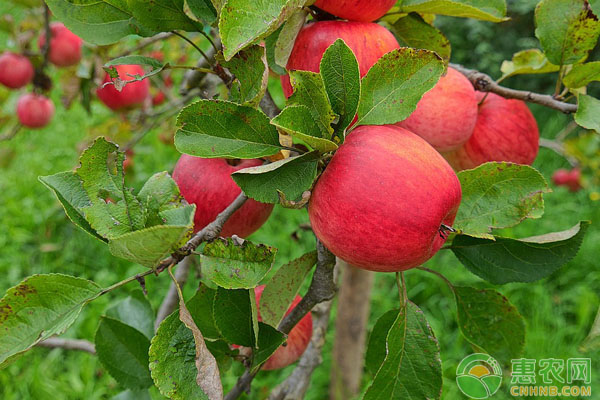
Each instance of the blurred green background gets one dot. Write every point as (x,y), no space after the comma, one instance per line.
(36,237)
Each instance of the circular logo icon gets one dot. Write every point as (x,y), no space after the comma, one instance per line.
(479,376)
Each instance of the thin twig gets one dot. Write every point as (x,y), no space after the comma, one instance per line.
(192,79)
(208,60)
(48,33)
(13,132)
(450,285)
(68,344)
(559,149)
(145,43)
(267,104)
(484,83)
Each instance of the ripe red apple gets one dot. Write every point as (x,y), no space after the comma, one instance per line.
(382,200)
(367,40)
(65,46)
(297,339)
(505,131)
(133,94)
(446,115)
(356,10)
(16,70)
(570,179)
(34,110)
(208,184)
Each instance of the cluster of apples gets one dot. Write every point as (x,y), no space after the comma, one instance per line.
(571,179)
(35,110)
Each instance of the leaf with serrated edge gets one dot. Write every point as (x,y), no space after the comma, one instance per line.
(269,340)
(236,266)
(489,321)
(251,75)
(297,121)
(486,10)
(376,350)
(588,112)
(309,91)
(287,36)
(135,310)
(281,290)
(506,260)
(216,128)
(532,61)
(582,74)
(499,195)
(414,32)
(412,368)
(233,315)
(394,85)
(341,77)
(163,15)
(291,176)
(39,307)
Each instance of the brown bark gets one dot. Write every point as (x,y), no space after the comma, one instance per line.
(350,331)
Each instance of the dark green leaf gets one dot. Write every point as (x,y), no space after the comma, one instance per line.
(236,266)
(298,121)
(490,322)
(135,310)
(414,32)
(234,316)
(341,77)
(394,85)
(309,91)
(567,30)
(123,350)
(214,129)
(201,307)
(269,340)
(487,10)
(201,10)
(506,260)
(376,350)
(39,307)
(270,43)
(252,75)
(588,112)
(281,290)
(162,15)
(499,195)
(292,176)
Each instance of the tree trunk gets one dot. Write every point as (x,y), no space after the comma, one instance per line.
(350,331)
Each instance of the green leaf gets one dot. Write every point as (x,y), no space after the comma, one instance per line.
(222,353)
(201,10)
(506,260)
(281,290)
(136,60)
(39,307)
(243,22)
(394,85)
(135,310)
(567,30)
(201,308)
(531,61)
(270,43)
(172,361)
(133,395)
(251,75)
(376,350)
(216,128)
(233,313)
(69,191)
(123,351)
(499,195)
(291,176)
(588,112)
(341,77)
(162,15)
(413,31)
(99,22)
(150,245)
(287,37)
(592,341)
(582,74)
(269,340)
(486,10)
(231,265)
(490,322)
(297,121)
(159,194)
(595,6)
(309,91)
(412,368)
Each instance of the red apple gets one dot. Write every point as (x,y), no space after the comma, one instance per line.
(65,46)
(207,183)
(367,40)
(34,110)
(446,115)
(16,70)
(570,179)
(297,340)
(128,162)
(356,10)
(505,131)
(382,200)
(133,94)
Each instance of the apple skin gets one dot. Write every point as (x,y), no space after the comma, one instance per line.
(381,201)
(505,131)
(570,179)
(34,110)
(207,183)
(446,115)
(297,340)
(368,41)
(16,70)
(132,95)
(65,46)
(356,10)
